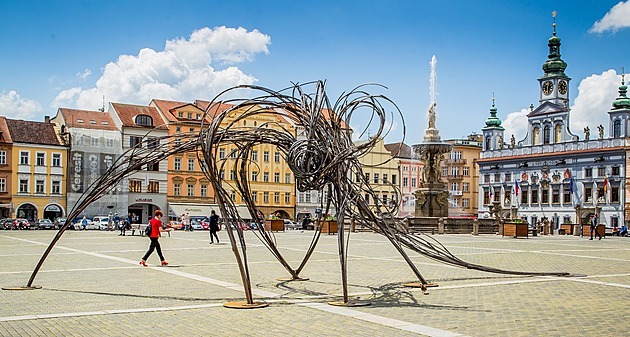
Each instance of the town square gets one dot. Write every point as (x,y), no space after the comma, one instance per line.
(470,181)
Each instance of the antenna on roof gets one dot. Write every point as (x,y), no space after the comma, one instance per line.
(102,109)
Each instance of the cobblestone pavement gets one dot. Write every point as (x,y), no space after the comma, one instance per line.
(92,285)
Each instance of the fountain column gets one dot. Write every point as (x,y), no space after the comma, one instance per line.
(432,195)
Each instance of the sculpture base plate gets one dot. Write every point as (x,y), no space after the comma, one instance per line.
(22,288)
(290,278)
(245,305)
(350,303)
(420,285)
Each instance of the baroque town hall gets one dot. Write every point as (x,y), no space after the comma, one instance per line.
(553,173)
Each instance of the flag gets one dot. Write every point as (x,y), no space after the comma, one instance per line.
(605,185)
(571,184)
(490,193)
(516,188)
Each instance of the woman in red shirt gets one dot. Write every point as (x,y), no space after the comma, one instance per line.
(156,228)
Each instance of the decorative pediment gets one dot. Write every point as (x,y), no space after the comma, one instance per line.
(547,108)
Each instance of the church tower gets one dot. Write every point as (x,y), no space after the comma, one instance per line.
(493,132)
(620,112)
(549,122)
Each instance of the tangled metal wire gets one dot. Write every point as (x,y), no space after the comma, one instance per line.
(323,158)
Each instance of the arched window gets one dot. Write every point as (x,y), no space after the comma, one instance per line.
(536,136)
(557,133)
(488,138)
(547,134)
(144,120)
(617,128)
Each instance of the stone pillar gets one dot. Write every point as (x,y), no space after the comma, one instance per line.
(441,226)
(352,225)
(475,227)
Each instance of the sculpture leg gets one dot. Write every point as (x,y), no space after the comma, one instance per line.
(242,266)
(343,259)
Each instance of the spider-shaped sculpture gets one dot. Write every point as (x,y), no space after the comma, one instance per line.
(325,158)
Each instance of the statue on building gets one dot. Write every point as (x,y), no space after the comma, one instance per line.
(587,133)
(500,142)
(512,141)
(600,129)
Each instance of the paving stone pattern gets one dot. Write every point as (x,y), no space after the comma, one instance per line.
(92,285)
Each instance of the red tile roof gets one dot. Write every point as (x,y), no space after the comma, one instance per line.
(87,119)
(6,135)
(170,110)
(32,132)
(400,150)
(217,107)
(128,112)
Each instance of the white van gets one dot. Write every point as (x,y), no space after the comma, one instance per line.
(101,222)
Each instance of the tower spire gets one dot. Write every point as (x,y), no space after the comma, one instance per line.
(554,66)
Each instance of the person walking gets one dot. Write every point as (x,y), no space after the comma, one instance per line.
(84,223)
(156,228)
(214,226)
(594,227)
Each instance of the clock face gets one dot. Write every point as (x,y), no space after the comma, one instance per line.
(562,87)
(547,87)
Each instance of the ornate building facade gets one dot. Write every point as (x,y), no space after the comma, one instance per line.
(553,173)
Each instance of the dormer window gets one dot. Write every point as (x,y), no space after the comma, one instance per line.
(92,121)
(180,114)
(79,120)
(104,123)
(144,120)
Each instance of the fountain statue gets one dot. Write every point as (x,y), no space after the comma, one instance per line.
(432,195)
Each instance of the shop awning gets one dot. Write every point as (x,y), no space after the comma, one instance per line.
(177,209)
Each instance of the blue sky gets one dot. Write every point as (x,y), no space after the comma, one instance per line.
(71,53)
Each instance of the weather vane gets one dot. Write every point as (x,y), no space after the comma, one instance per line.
(623,76)
(493,99)
(553,14)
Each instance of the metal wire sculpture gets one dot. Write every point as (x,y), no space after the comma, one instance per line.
(325,159)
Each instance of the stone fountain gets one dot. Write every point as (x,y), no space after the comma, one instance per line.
(432,195)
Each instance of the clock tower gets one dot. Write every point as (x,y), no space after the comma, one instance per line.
(554,84)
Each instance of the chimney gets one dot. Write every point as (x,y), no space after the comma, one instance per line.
(46,119)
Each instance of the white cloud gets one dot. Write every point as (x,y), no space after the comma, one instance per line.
(516,124)
(184,70)
(595,96)
(14,106)
(617,18)
(84,74)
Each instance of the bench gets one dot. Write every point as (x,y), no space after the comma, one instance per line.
(138,227)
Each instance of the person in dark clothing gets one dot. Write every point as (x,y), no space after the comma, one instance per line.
(214,226)
(156,228)
(594,227)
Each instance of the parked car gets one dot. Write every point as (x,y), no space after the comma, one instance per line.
(78,225)
(60,222)
(203,221)
(44,224)
(6,223)
(102,222)
(196,225)
(21,223)
(288,224)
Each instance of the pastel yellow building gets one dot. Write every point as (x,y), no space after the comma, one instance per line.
(271,181)
(461,173)
(39,162)
(381,170)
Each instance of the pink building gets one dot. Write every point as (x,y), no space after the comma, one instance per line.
(410,169)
